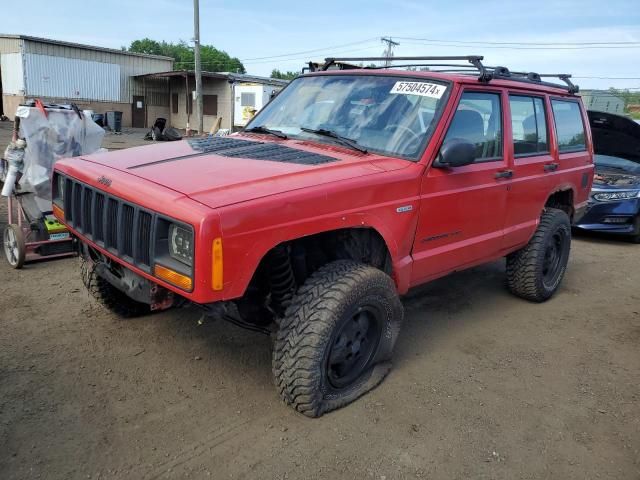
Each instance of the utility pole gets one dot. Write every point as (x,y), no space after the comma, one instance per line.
(388,52)
(196,50)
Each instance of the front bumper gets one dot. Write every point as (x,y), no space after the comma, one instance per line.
(139,210)
(612,217)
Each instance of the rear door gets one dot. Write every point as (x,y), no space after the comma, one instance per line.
(534,159)
(462,209)
(575,148)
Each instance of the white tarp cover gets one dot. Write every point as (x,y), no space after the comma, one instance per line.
(60,134)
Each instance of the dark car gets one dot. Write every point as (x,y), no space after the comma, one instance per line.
(614,205)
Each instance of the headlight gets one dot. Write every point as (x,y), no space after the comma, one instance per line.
(614,196)
(181,244)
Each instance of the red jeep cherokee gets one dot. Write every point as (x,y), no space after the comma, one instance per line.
(352,186)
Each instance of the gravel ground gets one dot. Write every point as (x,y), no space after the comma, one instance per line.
(484,385)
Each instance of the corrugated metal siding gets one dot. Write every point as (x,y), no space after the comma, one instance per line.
(12,73)
(603,102)
(71,78)
(129,65)
(10,45)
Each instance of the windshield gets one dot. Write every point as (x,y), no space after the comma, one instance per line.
(385,114)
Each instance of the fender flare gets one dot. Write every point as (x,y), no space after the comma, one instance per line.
(267,240)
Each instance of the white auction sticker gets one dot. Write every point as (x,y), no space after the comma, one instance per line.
(423,89)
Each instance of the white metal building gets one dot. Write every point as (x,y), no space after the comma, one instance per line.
(228,98)
(96,78)
(602,101)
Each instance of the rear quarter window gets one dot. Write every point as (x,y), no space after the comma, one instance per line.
(569,126)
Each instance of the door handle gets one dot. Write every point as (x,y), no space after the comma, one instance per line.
(551,167)
(504,174)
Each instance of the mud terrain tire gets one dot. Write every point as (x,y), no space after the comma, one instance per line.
(335,341)
(108,295)
(536,271)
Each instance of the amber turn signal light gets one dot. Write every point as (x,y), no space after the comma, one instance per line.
(173,277)
(58,212)
(216,268)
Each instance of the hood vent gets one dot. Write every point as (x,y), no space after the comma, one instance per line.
(233,147)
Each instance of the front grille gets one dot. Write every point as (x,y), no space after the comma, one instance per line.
(112,224)
(144,236)
(127,230)
(98,231)
(122,228)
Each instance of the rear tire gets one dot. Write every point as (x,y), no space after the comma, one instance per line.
(536,271)
(15,249)
(636,236)
(109,296)
(335,341)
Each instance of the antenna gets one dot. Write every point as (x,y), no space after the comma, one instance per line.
(388,52)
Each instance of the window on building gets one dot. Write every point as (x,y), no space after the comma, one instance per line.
(478,120)
(174,103)
(189,101)
(210,105)
(569,126)
(529,125)
(247,99)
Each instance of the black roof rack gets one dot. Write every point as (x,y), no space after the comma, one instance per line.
(468,64)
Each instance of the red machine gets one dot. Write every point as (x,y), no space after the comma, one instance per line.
(42,134)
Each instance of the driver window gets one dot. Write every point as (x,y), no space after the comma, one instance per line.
(478,119)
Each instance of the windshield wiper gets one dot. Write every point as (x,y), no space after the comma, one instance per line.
(269,131)
(343,140)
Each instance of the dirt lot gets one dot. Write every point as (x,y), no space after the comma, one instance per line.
(484,386)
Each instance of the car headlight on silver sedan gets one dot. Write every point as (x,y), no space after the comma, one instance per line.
(613,196)
(181,244)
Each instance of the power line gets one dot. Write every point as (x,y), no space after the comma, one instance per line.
(474,42)
(503,47)
(306,57)
(607,78)
(218,62)
(311,51)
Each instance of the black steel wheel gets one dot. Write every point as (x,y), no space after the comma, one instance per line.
(536,271)
(15,249)
(552,266)
(335,341)
(353,346)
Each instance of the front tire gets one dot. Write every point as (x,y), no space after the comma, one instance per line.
(536,271)
(335,341)
(109,296)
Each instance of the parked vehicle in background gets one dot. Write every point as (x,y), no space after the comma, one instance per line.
(347,189)
(614,206)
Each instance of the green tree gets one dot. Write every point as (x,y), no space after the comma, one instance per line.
(283,75)
(213,60)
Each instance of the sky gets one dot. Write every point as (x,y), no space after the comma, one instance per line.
(586,38)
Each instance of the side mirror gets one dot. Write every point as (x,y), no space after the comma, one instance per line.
(455,153)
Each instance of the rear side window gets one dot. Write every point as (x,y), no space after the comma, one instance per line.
(529,125)
(569,126)
(478,120)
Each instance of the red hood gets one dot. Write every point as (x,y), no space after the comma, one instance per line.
(217,180)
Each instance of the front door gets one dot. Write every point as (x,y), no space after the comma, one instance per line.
(462,209)
(138,119)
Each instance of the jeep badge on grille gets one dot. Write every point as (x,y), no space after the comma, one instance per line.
(104,181)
